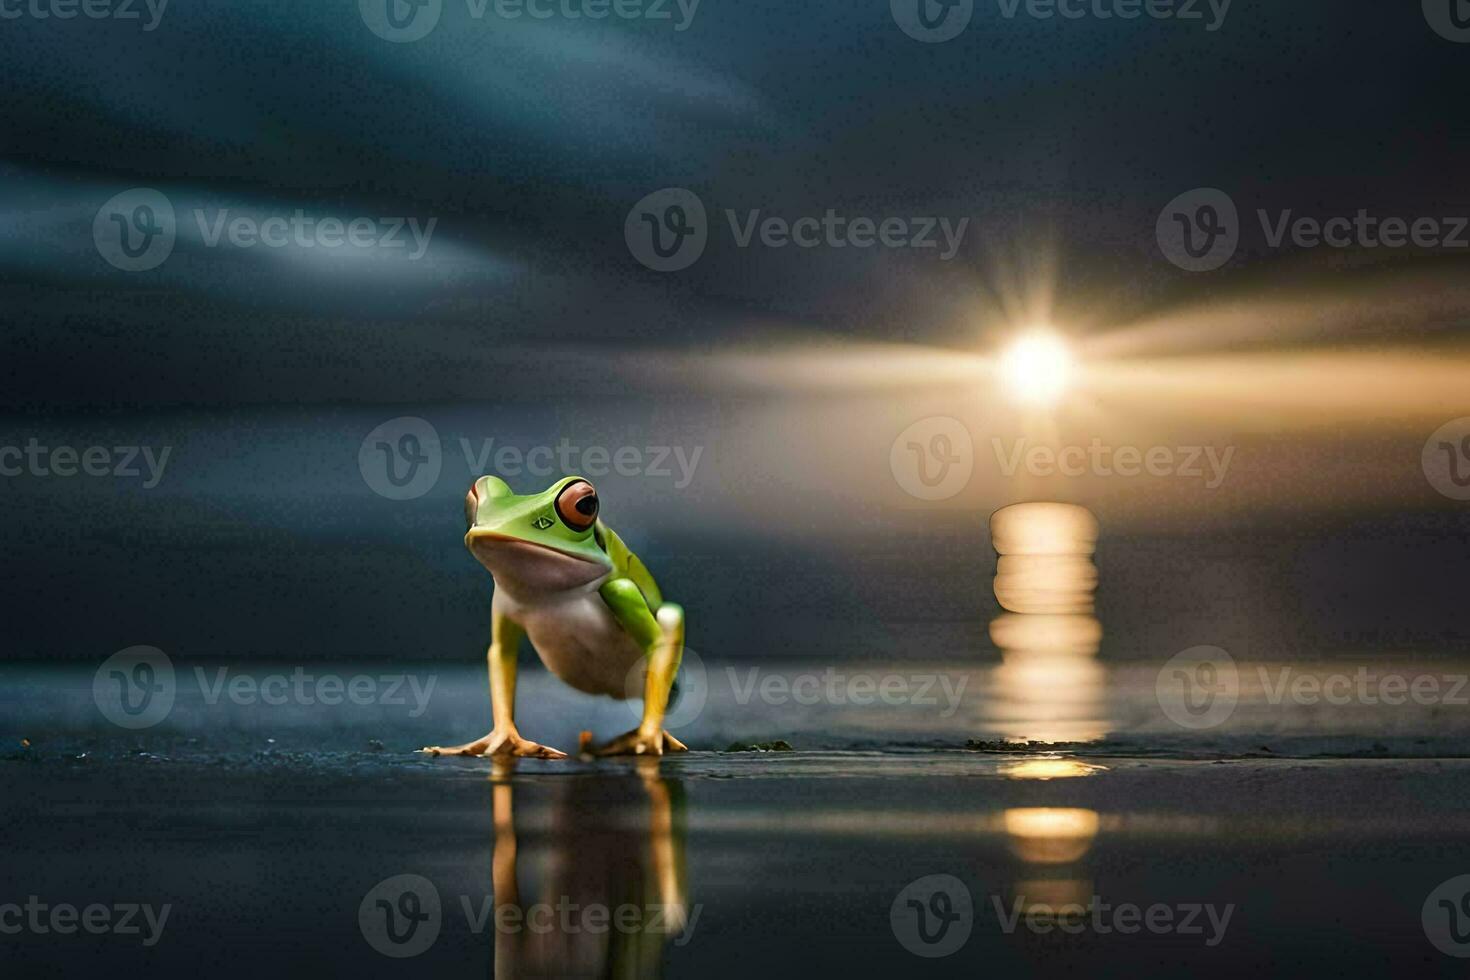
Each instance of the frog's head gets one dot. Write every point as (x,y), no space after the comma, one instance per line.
(544,542)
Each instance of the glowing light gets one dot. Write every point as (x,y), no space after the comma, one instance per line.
(1037,368)
(1051,835)
(1045,769)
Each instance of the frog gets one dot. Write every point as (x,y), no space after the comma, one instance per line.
(565,581)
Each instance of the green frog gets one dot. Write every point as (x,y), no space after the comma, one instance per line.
(590,608)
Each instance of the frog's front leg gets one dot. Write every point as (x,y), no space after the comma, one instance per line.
(662,640)
(503,739)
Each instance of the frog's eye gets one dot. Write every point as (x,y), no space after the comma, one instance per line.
(576,505)
(471,507)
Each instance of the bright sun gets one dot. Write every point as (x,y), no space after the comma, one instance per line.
(1037,368)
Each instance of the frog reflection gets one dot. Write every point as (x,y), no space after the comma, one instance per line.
(613,888)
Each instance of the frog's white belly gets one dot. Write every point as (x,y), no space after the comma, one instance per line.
(578,640)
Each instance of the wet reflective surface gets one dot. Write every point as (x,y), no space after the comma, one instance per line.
(290,863)
(281,840)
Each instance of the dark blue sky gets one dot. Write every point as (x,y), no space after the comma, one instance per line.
(518,147)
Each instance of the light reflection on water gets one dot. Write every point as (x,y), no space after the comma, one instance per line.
(1051,842)
(1046,769)
(1049,684)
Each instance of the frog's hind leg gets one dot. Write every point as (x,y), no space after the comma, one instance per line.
(662,639)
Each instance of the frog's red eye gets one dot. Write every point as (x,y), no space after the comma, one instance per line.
(576,505)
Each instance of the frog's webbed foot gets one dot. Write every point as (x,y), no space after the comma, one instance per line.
(637,742)
(500,744)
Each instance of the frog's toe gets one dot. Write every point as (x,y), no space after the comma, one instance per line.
(477,747)
(637,743)
(524,749)
(499,745)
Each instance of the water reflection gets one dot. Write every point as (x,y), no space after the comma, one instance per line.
(1050,685)
(1051,835)
(614,887)
(1051,842)
(1045,769)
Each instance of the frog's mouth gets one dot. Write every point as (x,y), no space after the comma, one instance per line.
(492,543)
(528,566)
